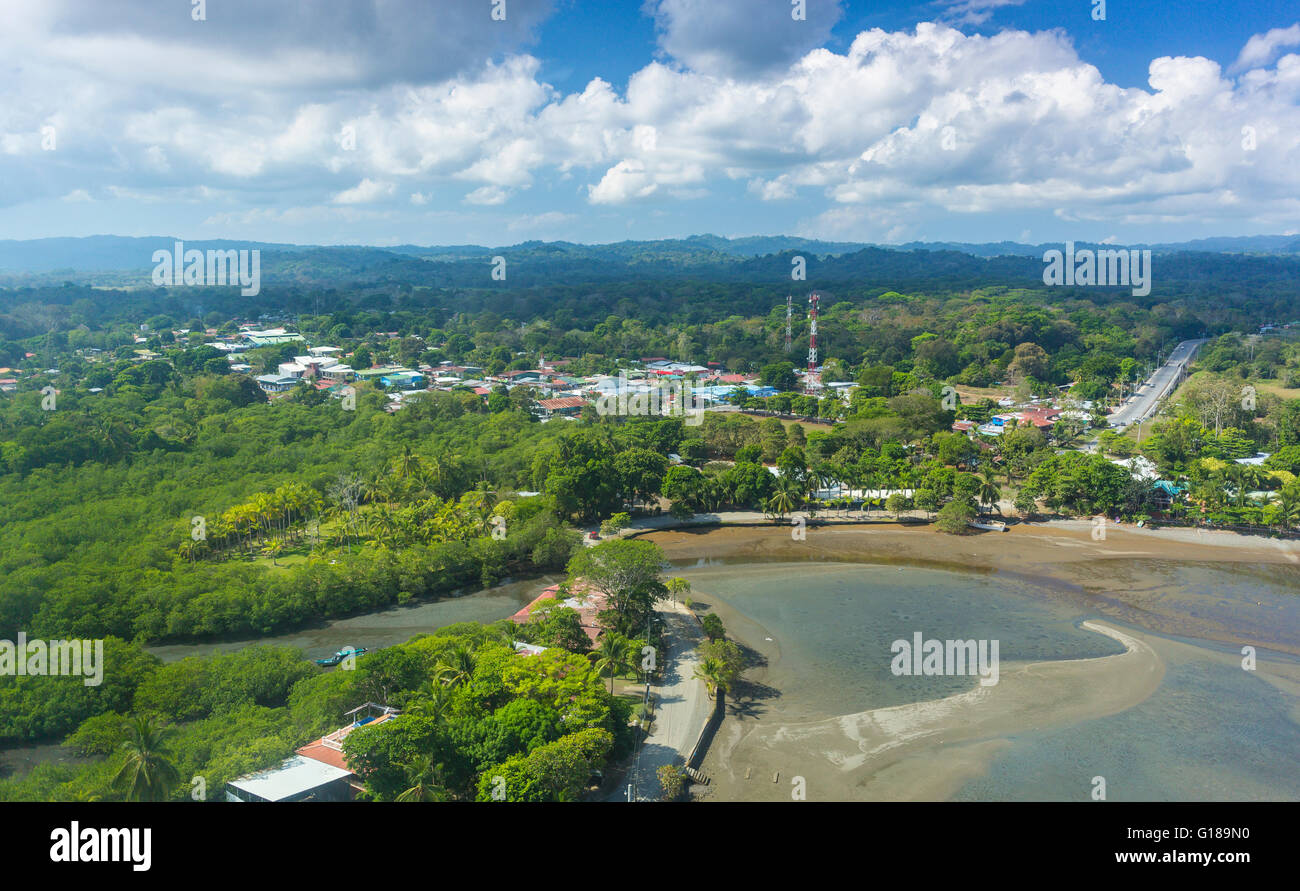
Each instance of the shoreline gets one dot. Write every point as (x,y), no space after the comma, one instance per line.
(1174,542)
(1126,578)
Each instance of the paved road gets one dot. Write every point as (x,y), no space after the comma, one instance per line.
(682,706)
(1144,403)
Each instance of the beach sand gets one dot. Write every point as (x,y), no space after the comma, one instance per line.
(927,750)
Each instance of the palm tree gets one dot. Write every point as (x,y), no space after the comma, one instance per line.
(780,503)
(243,521)
(219,533)
(264,510)
(427,782)
(115,436)
(408,464)
(797,487)
(678,586)
(457,667)
(433,703)
(614,655)
(482,501)
(714,674)
(989,492)
(848,473)
(1288,509)
(147,774)
(439,474)
(1253,476)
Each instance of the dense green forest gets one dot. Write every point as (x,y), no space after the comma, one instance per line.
(165,498)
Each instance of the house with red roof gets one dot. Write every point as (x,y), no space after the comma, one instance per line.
(1042,418)
(582,598)
(317,771)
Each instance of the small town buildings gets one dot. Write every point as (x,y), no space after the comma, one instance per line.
(523,377)
(404,379)
(374,374)
(277,383)
(447,369)
(270,337)
(1142,467)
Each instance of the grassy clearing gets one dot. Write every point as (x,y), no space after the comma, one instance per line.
(283,561)
(1278,390)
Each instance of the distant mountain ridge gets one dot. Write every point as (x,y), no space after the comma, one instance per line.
(115,253)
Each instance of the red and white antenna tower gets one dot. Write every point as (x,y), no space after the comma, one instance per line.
(812,335)
(789,310)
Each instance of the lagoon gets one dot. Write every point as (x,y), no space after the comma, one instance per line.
(1171,719)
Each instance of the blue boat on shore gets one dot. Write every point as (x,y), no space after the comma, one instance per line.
(340,656)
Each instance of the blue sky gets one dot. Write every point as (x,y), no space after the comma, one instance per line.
(352,121)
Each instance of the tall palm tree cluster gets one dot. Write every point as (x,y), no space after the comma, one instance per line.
(411,500)
(796,491)
(798,486)
(1226,493)
(267,518)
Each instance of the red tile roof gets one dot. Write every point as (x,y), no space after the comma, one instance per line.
(590,603)
(1042,417)
(562,402)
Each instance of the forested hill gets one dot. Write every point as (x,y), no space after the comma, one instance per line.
(579,286)
(110,259)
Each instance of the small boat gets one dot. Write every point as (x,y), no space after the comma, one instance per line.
(989,525)
(340,656)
